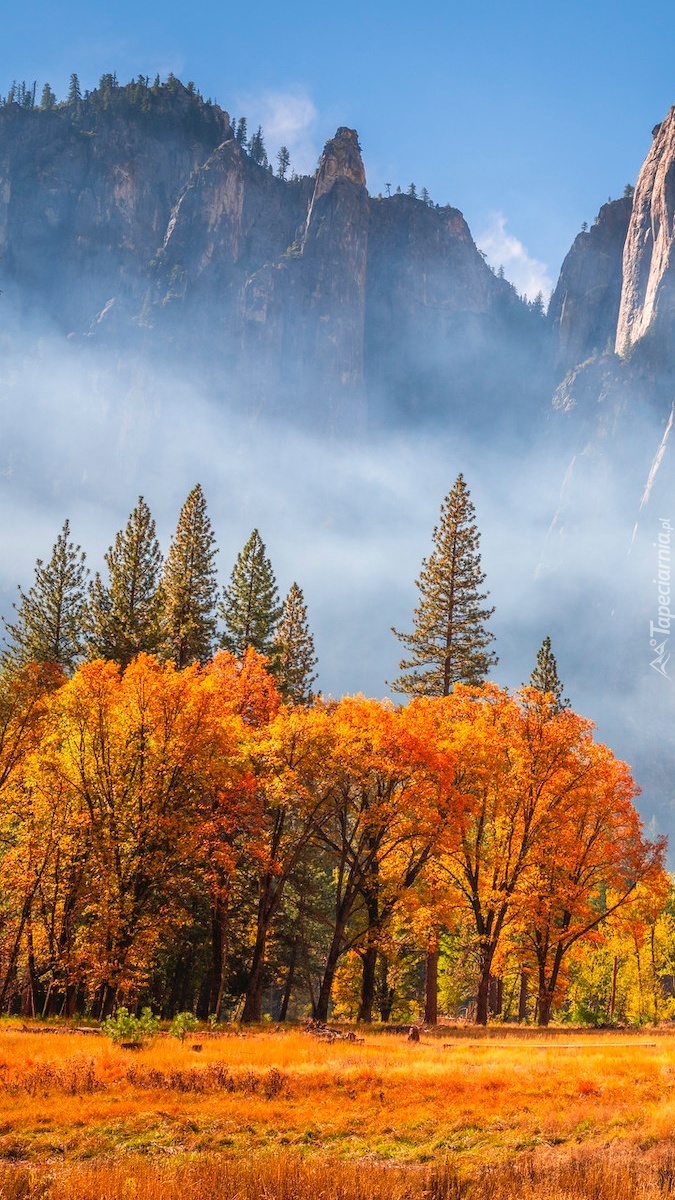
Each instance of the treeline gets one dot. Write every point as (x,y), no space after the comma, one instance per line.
(184,838)
(170,609)
(138,93)
(197,831)
(143,98)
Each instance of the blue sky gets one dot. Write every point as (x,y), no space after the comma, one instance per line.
(526,116)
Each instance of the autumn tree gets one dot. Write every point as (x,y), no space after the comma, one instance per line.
(449,643)
(49,627)
(293,656)
(590,870)
(124,613)
(522,770)
(289,760)
(230,815)
(189,586)
(250,608)
(545,676)
(30,824)
(378,827)
(135,751)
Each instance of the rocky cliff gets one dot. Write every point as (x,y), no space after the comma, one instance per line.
(584,307)
(648,292)
(86,192)
(136,213)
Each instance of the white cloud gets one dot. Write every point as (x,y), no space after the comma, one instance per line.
(288,119)
(529,275)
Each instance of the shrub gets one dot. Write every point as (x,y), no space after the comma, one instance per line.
(126,1027)
(183,1024)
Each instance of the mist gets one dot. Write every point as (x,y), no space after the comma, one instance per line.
(84,431)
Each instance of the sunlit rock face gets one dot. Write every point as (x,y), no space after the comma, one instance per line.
(584,307)
(648,293)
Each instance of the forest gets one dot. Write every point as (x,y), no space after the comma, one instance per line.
(185,825)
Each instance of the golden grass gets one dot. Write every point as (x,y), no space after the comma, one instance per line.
(396,1119)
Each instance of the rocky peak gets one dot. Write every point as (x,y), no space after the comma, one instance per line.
(585,304)
(341,159)
(648,293)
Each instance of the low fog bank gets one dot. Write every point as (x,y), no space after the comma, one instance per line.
(351,518)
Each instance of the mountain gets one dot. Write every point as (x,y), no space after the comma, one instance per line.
(136,216)
(171,306)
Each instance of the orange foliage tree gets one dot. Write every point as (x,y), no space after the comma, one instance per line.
(379,825)
(27,833)
(590,867)
(523,773)
(132,750)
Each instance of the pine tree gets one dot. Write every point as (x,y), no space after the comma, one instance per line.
(293,655)
(545,676)
(124,616)
(240,135)
(51,614)
(74,93)
(189,586)
(48,99)
(250,606)
(450,642)
(284,162)
(256,148)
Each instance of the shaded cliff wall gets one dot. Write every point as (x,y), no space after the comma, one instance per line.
(584,307)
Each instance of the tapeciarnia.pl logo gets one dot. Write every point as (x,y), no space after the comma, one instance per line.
(659,630)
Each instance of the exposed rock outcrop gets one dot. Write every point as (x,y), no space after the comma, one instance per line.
(86,191)
(137,210)
(648,294)
(585,304)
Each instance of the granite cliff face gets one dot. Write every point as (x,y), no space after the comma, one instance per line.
(584,307)
(136,213)
(648,293)
(86,191)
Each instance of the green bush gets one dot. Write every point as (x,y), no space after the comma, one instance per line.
(125,1027)
(183,1024)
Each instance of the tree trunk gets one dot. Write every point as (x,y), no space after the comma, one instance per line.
(385,992)
(268,904)
(322,1006)
(368,985)
(483,997)
(522,997)
(545,1006)
(612,996)
(254,988)
(496,991)
(289,982)
(431,985)
(219,915)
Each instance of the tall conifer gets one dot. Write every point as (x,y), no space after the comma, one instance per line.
(293,655)
(124,615)
(250,605)
(189,586)
(449,643)
(545,675)
(51,614)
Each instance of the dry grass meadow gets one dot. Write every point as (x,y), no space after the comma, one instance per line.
(280,1115)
